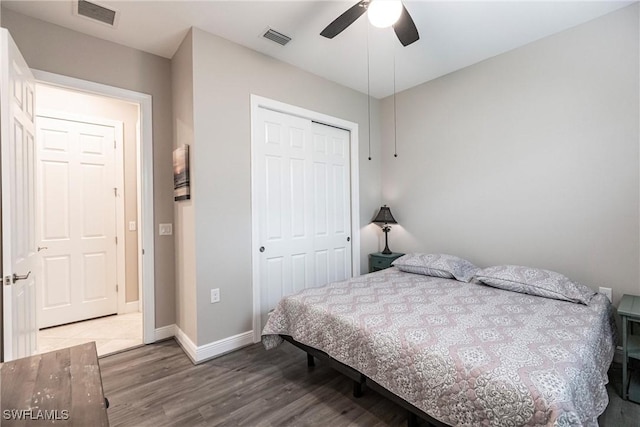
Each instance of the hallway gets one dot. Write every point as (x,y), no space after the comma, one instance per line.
(111,334)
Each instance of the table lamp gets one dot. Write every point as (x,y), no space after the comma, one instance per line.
(383,219)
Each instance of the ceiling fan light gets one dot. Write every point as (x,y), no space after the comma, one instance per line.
(384,13)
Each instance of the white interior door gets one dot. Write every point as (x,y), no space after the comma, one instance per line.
(301,179)
(19,255)
(76,220)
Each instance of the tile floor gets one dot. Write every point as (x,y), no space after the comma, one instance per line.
(111,334)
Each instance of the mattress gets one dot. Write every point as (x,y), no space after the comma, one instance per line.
(465,353)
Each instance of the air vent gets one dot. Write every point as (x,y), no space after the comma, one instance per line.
(96,12)
(276,36)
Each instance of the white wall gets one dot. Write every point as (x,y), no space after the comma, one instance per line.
(224,77)
(530,157)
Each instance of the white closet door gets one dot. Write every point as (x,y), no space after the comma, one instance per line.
(76,220)
(301,177)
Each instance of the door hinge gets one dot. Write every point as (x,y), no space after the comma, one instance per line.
(116,287)
(116,240)
(115,191)
(114,144)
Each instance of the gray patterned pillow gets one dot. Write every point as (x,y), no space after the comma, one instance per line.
(535,281)
(438,265)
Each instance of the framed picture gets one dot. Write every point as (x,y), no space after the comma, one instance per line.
(181,189)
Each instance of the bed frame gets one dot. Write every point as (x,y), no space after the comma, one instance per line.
(360,381)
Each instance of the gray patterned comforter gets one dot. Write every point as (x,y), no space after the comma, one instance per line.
(465,353)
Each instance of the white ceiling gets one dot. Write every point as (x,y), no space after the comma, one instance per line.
(453,34)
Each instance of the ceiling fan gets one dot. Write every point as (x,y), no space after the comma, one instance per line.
(382,13)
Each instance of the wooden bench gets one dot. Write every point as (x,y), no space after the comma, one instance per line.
(62,388)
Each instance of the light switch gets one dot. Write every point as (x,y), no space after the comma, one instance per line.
(132,226)
(166,229)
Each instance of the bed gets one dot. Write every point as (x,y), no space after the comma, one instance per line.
(463,353)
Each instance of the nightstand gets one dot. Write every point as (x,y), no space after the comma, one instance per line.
(379,261)
(629,311)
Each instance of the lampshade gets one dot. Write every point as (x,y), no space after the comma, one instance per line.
(384,216)
(384,13)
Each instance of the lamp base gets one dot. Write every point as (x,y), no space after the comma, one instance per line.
(386,250)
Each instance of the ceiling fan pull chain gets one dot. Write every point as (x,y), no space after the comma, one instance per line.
(395,127)
(368,92)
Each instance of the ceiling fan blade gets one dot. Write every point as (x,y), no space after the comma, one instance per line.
(344,20)
(406,29)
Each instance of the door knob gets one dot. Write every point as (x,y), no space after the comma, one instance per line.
(261,248)
(41,248)
(16,277)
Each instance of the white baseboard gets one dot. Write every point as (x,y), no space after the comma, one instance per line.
(187,345)
(165,332)
(130,307)
(199,354)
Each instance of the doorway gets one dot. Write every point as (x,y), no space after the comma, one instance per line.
(146,246)
(19,252)
(87,220)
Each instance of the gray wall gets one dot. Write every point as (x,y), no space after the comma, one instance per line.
(530,157)
(225,75)
(58,50)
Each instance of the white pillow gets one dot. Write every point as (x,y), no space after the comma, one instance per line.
(535,281)
(437,265)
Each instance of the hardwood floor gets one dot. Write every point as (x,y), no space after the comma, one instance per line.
(157,385)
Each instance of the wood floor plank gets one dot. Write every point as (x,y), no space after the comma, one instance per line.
(285,401)
(157,385)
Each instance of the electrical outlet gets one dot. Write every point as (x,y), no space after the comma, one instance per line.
(132,226)
(606,292)
(215,295)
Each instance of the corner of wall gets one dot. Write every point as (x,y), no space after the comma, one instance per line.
(184,211)
(202,353)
